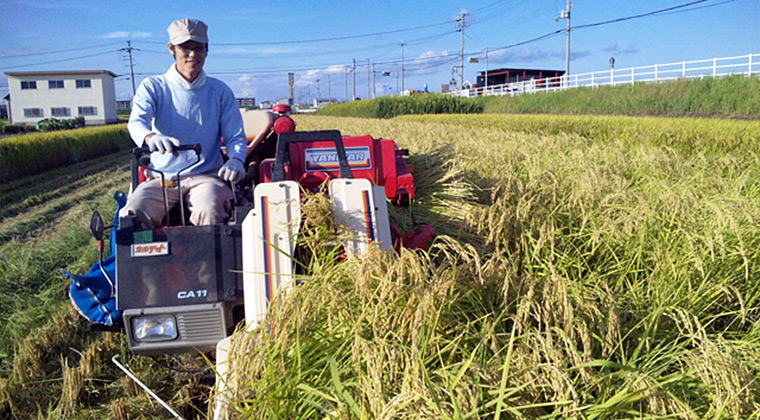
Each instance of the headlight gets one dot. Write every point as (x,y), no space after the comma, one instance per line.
(154,328)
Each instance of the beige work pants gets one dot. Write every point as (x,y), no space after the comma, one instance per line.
(207,198)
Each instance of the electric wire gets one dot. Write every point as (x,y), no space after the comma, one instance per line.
(61,60)
(308,41)
(60,51)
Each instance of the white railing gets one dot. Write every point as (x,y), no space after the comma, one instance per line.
(714,67)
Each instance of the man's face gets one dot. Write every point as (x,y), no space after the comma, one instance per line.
(190,57)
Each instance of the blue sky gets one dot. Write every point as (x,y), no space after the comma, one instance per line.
(253,45)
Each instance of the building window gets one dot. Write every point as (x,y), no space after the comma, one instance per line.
(60,112)
(28,84)
(84,83)
(33,113)
(88,110)
(55,84)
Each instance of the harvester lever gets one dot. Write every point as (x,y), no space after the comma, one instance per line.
(96,227)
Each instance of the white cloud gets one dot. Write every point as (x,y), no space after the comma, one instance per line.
(247,85)
(429,62)
(331,73)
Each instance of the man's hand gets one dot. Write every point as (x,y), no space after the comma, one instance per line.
(161,143)
(232,171)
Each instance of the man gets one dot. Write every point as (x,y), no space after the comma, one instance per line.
(184,107)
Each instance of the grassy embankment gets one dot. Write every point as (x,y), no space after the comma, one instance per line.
(729,97)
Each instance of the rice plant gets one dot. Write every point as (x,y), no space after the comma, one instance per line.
(614,276)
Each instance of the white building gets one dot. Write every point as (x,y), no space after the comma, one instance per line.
(35,95)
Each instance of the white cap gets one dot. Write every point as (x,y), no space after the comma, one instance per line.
(183,30)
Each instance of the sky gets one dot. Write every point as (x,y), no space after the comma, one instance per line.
(336,48)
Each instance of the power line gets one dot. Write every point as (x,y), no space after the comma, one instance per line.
(60,51)
(61,60)
(307,41)
(607,22)
(641,15)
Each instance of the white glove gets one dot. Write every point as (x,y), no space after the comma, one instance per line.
(162,144)
(232,171)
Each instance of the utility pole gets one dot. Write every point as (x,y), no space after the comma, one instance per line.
(402,69)
(353,77)
(461,24)
(373,82)
(368,90)
(486,91)
(565,14)
(131,68)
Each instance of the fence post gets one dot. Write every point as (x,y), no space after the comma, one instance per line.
(655,74)
(749,66)
(683,69)
(592,78)
(715,66)
(633,77)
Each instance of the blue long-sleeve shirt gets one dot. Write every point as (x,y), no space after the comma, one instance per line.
(202,112)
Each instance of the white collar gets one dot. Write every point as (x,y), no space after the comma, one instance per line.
(173,76)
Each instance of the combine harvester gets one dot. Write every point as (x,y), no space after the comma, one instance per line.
(181,288)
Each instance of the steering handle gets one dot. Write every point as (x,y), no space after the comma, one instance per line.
(145,150)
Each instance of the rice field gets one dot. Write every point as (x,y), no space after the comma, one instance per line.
(585,267)
(575,275)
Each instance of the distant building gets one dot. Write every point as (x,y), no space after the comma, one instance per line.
(246,102)
(36,95)
(319,103)
(503,76)
(266,105)
(123,104)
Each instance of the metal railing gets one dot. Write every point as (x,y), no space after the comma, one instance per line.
(714,67)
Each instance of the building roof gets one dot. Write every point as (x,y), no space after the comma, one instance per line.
(505,70)
(58,73)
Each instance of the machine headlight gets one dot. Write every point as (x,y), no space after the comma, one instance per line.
(154,328)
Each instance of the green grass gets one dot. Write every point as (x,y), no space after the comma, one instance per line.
(729,97)
(735,96)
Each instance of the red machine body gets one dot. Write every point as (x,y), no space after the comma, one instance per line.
(378,160)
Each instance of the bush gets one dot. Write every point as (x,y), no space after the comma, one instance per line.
(389,107)
(55,124)
(16,129)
